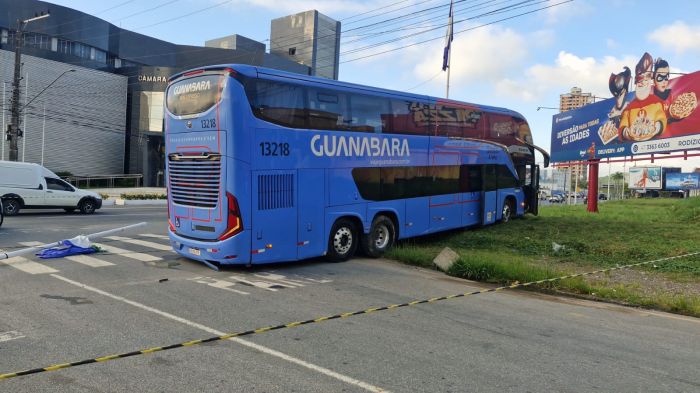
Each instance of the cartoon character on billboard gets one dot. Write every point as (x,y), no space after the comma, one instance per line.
(619,86)
(662,72)
(644,117)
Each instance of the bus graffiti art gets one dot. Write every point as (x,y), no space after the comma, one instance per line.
(265,166)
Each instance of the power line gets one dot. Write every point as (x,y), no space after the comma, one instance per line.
(457,32)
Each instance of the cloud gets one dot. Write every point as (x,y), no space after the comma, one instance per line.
(542,81)
(677,36)
(474,56)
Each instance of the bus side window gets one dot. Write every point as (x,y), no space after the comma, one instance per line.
(408,117)
(445,179)
(368,182)
(470,178)
(450,121)
(369,113)
(328,110)
(280,103)
(506,178)
(490,177)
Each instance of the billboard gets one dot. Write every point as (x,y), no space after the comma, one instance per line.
(660,115)
(648,178)
(683,181)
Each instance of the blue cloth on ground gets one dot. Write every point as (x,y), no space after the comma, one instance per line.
(67,249)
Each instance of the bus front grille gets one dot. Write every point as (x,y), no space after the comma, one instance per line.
(195,180)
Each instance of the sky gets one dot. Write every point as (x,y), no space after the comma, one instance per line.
(522,63)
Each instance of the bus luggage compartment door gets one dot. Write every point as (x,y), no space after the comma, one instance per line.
(489,204)
(274,229)
(311,240)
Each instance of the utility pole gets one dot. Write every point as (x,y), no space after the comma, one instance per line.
(13,130)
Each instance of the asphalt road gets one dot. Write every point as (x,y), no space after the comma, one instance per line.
(141,295)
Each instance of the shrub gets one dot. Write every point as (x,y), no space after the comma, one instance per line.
(143,196)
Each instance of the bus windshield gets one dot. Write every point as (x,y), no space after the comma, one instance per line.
(194,95)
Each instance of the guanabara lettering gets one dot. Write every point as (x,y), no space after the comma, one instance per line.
(359,146)
(192,87)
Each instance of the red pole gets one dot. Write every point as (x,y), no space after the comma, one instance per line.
(593,186)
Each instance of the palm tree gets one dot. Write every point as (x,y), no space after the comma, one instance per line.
(619,177)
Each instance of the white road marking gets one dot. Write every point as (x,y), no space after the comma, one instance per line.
(11,335)
(266,350)
(129,254)
(256,283)
(155,236)
(28,266)
(144,243)
(280,278)
(221,284)
(83,259)
(89,261)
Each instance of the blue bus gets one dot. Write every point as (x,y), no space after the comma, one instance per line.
(267,166)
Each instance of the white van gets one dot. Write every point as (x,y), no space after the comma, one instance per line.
(31,186)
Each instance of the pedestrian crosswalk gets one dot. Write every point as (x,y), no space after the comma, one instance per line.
(32,265)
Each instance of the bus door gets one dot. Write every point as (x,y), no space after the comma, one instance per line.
(274,233)
(489,199)
(311,239)
(532,189)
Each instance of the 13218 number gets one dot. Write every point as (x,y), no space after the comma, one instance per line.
(274,149)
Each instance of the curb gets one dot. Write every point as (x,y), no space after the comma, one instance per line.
(140,202)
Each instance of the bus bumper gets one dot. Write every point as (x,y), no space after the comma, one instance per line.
(233,251)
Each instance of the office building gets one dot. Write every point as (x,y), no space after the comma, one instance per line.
(308,38)
(574,99)
(114,98)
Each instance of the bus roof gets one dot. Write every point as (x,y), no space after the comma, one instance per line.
(268,73)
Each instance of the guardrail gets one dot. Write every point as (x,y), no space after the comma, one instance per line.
(122,180)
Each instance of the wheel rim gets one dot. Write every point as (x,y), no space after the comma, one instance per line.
(11,207)
(381,236)
(87,207)
(506,213)
(342,240)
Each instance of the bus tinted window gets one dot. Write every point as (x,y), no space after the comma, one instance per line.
(279,103)
(490,178)
(470,178)
(506,178)
(194,95)
(328,110)
(408,117)
(369,113)
(389,183)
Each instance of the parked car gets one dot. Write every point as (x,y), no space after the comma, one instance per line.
(31,186)
(556,198)
(2,215)
(601,197)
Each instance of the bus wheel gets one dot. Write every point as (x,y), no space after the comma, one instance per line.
(380,237)
(343,240)
(507,211)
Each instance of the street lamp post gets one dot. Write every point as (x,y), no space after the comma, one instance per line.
(13,130)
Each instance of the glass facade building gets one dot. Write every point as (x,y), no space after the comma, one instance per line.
(309,38)
(77,39)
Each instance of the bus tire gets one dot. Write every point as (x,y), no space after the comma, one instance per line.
(343,240)
(380,238)
(508,211)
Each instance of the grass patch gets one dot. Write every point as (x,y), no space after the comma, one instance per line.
(564,239)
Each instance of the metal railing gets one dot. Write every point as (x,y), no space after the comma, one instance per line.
(107,181)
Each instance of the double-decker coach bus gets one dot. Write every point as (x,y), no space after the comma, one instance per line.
(267,166)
